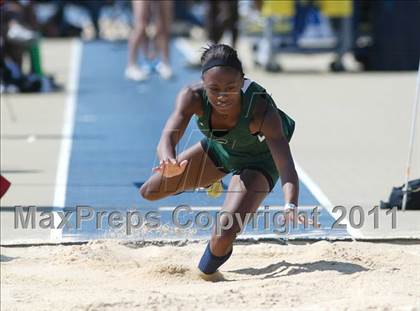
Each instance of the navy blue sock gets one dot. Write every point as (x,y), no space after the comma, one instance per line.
(209,263)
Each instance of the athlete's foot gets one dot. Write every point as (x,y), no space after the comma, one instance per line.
(213,277)
(133,72)
(164,70)
(215,190)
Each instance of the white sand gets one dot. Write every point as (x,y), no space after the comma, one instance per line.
(108,275)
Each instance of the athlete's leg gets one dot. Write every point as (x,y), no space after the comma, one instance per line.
(200,172)
(245,193)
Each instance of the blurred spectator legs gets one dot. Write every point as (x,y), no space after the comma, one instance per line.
(94,8)
(163,28)
(138,36)
(144,12)
(222,16)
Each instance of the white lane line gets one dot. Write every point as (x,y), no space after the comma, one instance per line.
(315,190)
(67,133)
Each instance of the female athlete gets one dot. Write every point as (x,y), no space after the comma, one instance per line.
(245,134)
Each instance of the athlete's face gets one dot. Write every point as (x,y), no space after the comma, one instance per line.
(223,87)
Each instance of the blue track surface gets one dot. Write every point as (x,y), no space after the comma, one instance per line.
(117,127)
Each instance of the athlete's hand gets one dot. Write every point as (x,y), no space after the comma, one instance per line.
(291,211)
(170,167)
(290,215)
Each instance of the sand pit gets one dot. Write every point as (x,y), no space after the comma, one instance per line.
(111,275)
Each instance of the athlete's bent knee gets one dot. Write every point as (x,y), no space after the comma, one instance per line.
(149,195)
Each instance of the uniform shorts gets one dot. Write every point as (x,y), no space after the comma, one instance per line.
(235,164)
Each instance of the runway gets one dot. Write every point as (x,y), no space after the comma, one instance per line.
(117,125)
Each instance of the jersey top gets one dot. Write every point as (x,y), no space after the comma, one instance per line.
(239,141)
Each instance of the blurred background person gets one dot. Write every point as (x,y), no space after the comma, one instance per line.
(20,39)
(222,16)
(144,12)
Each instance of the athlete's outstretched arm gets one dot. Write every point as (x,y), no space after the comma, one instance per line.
(185,107)
(280,151)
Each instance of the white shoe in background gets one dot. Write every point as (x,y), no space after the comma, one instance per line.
(134,73)
(164,70)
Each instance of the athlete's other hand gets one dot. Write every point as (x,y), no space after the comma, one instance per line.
(170,168)
(292,213)
(291,217)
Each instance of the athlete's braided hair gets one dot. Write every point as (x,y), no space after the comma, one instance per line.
(220,55)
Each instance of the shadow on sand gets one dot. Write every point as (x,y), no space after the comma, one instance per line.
(4,258)
(277,270)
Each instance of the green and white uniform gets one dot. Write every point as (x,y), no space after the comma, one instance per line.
(237,149)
